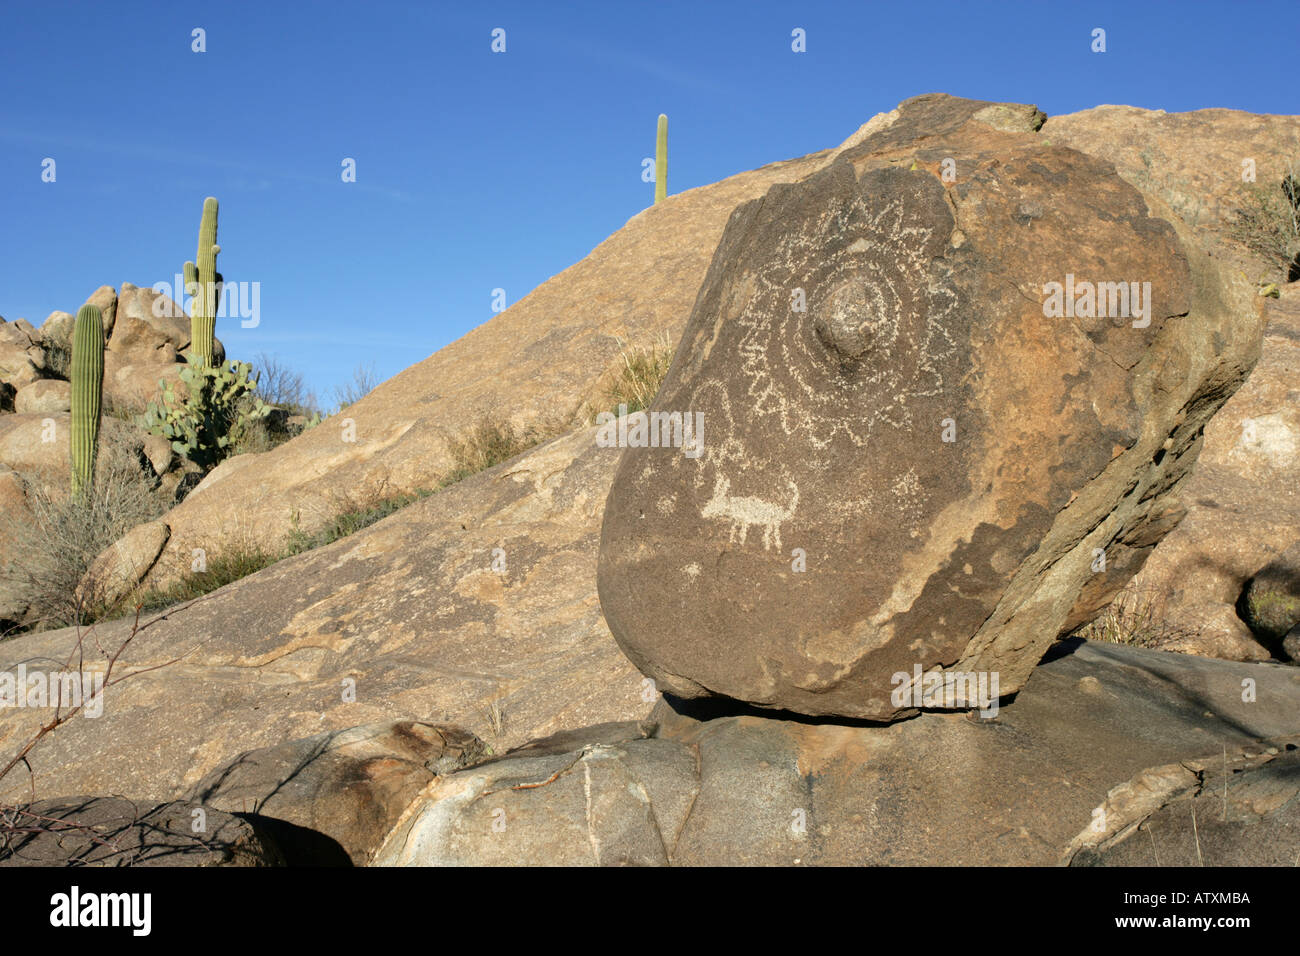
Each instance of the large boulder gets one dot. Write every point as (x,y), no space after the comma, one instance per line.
(150,334)
(58,327)
(914,454)
(1101,740)
(105,299)
(22,360)
(558,341)
(1271,600)
(150,329)
(116,571)
(45,396)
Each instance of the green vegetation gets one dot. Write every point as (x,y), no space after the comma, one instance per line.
(211,413)
(203,283)
(351,521)
(87,393)
(230,565)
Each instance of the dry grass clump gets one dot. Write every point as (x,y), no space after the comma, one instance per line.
(1136,617)
(232,562)
(1268,224)
(635,378)
(491,441)
(56,542)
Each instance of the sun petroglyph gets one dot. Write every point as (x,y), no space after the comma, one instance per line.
(876,303)
(868,347)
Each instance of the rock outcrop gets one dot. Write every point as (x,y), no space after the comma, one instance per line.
(1046,781)
(1242,501)
(476,606)
(940,382)
(1270,603)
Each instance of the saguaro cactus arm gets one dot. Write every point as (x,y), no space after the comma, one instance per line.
(87,390)
(661,159)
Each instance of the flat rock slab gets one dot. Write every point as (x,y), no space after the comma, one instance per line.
(1025,787)
(911,450)
(114,831)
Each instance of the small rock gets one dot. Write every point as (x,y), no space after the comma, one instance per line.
(349,786)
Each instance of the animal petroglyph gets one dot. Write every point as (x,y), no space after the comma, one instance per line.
(745,510)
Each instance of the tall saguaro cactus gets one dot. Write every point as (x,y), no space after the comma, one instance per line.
(661,159)
(87,389)
(202,282)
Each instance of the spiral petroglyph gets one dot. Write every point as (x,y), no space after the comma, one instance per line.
(879,305)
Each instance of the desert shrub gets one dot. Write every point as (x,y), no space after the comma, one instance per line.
(56,543)
(634,380)
(283,387)
(1268,223)
(58,352)
(361,384)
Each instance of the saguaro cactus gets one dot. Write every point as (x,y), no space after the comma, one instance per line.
(661,159)
(87,386)
(202,282)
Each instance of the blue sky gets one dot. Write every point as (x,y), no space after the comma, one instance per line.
(478,170)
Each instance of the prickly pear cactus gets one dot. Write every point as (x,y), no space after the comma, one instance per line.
(203,418)
(87,391)
(203,284)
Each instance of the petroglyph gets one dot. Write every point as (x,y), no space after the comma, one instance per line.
(745,510)
(883,396)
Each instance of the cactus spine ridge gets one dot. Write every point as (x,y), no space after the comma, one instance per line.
(202,283)
(87,393)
